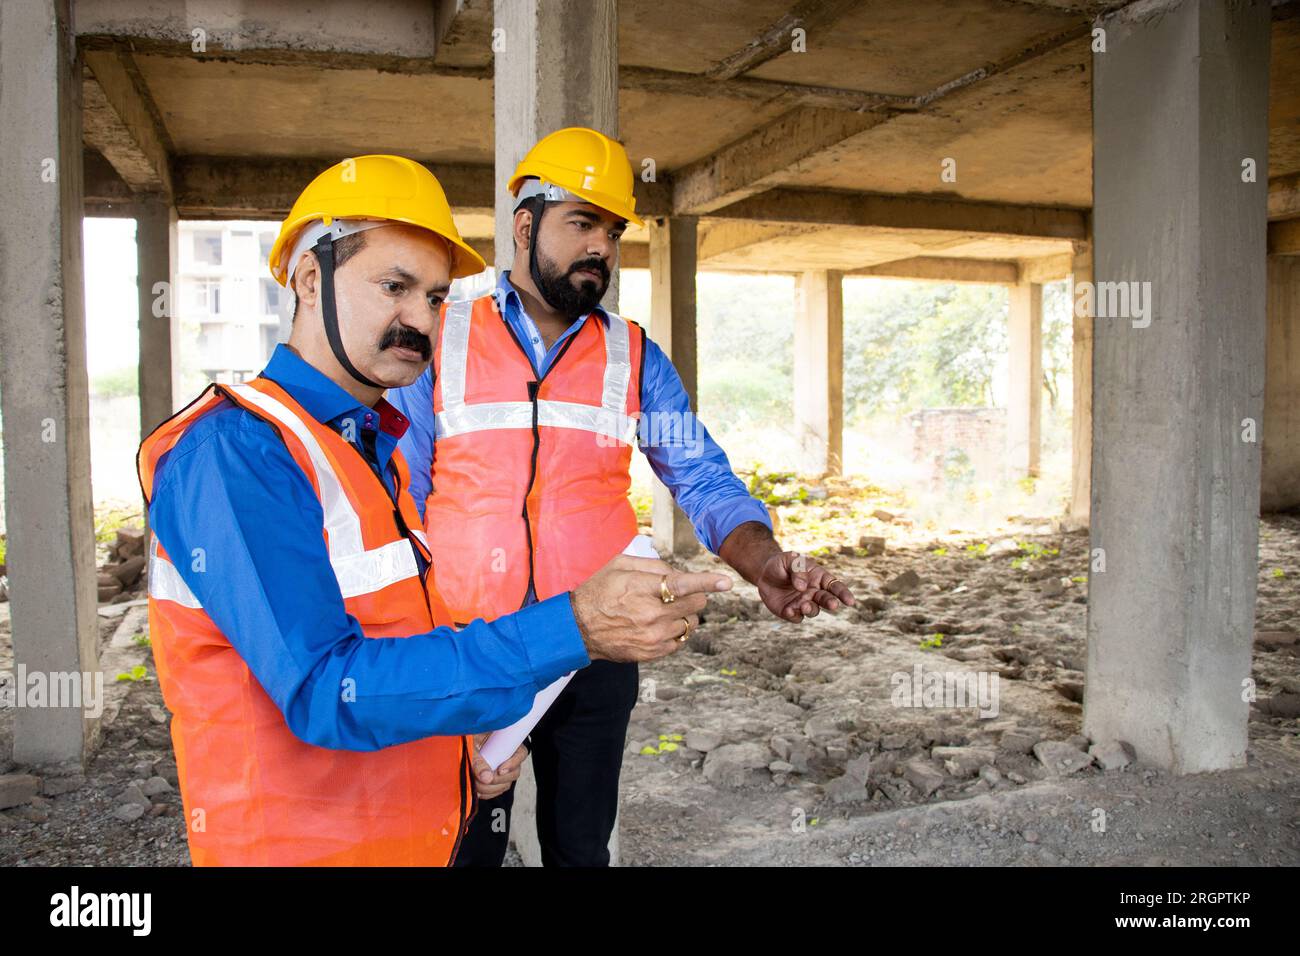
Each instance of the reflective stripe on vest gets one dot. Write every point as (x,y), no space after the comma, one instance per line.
(165,582)
(609,419)
(358,571)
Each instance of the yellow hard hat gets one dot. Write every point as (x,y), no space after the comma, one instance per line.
(587,164)
(389,188)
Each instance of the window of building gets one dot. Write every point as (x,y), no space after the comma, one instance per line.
(207,246)
(203,296)
(270,296)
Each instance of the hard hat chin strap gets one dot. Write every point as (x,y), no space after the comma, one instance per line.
(533,235)
(324,250)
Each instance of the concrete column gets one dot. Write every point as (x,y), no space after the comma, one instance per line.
(673,244)
(1280,483)
(46,405)
(1025,371)
(819,371)
(556,65)
(1081,416)
(155,244)
(1177,372)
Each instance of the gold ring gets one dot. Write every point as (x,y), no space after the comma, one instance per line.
(666,595)
(686,633)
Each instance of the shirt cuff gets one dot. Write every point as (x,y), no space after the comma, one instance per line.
(551,639)
(725,517)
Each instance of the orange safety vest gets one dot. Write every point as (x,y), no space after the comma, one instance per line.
(530,477)
(255,794)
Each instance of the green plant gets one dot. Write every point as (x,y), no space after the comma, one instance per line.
(667,744)
(977,550)
(140,640)
(933,641)
(137,673)
(1279,573)
(108,519)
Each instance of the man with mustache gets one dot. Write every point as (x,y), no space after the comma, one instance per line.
(322,702)
(519,438)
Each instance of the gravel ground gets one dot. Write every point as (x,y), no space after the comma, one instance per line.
(767,743)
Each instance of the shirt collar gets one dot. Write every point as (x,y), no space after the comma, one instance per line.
(321,398)
(506,294)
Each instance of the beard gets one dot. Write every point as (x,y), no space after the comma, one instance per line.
(557,288)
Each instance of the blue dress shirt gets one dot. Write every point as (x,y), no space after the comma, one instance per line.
(687,460)
(231,488)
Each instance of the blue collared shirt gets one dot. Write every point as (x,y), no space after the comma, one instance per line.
(685,458)
(231,488)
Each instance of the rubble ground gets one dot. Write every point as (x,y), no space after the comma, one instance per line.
(764,742)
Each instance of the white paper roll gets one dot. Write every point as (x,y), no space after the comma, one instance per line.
(502,743)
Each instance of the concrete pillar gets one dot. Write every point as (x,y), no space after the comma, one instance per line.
(1177,377)
(46,405)
(556,65)
(1025,372)
(155,244)
(1081,416)
(673,244)
(1280,482)
(819,371)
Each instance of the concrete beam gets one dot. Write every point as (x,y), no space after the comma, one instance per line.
(1284,238)
(805,137)
(722,237)
(1176,459)
(104,191)
(755,162)
(462,31)
(218,187)
(43,382)
(776,39)
(122,122)
(1025,379)
(1280,447)
(1046,269)
(819,371)
(873,210)
(753,89)
(1284,197)
(673,265)
(942,269)
(400,35)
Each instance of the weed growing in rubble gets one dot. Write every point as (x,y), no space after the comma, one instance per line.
(1032,551)
(933,641)
(137,673)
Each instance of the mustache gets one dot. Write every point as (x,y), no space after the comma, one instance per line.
(402,337)
(595,264)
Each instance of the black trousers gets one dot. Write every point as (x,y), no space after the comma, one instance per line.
(577,753)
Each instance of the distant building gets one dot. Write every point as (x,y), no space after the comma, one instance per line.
(226,290)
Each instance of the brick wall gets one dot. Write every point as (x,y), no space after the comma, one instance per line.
(959,446)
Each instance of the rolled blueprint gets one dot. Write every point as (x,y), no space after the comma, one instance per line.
(502,743)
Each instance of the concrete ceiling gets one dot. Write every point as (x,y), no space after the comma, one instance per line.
(886,92)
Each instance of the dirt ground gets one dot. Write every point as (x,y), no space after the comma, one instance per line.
(774,744)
